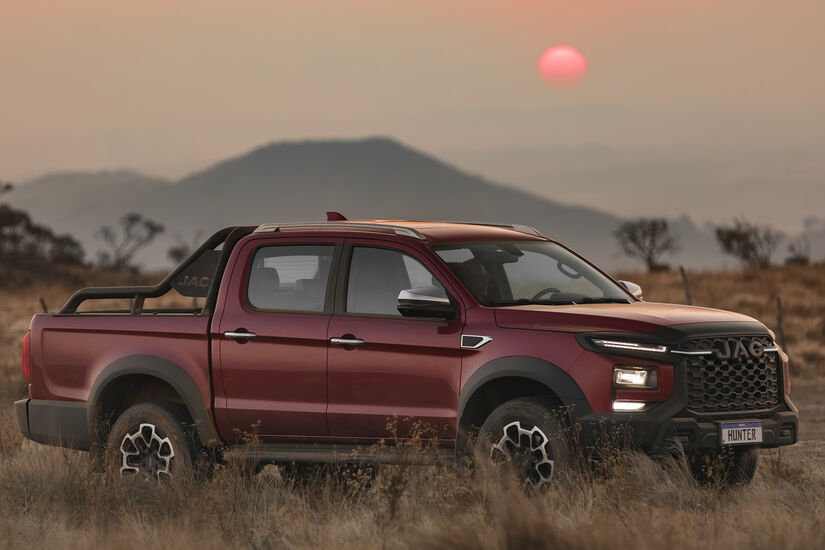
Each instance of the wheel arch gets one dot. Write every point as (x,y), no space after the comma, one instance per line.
(507,378)
(163,379)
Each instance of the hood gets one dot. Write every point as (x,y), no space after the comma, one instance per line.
(636,317)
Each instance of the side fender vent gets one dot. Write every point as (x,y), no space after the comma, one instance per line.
(472,341)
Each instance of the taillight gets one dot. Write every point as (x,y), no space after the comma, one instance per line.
(26,357)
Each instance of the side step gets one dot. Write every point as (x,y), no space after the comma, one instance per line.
(272,453)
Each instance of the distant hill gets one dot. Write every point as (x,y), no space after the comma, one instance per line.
(63,196)
(295,181)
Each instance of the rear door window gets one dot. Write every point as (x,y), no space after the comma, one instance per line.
(290,277)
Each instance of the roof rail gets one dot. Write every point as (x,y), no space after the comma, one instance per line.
(397,229)
(529,229)
(521,228)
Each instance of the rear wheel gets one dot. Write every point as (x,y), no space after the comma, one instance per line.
(154,440)
(727,466)
(527,437)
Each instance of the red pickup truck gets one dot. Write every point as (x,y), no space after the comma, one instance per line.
(316,337)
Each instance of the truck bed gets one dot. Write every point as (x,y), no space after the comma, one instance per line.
(69,352)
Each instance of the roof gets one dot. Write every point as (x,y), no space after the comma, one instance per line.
(431,232)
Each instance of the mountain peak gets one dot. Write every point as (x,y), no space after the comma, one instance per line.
(374,145)
(374,155)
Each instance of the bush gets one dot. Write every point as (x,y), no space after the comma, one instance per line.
(20,237)
(752,244)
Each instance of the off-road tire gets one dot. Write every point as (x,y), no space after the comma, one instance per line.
(723,467)
(530,436)
(152,440)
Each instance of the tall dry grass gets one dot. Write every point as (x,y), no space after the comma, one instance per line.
(52,497)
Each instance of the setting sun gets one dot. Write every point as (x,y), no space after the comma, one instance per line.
(562,66)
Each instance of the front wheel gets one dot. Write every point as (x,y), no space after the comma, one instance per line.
(154,440)
(527,436)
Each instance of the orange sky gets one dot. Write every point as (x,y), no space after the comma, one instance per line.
(166,86)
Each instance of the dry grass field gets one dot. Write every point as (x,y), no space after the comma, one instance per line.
(51,497)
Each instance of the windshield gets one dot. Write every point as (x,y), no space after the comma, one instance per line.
(524,272)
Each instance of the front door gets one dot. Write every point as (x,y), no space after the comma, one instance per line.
(388,374)
(272,336)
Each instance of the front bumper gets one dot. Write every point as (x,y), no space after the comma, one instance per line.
(777,431)
(679,419)
(651,434)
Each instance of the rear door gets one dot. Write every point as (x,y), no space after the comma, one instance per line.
(397,372)
(271,366)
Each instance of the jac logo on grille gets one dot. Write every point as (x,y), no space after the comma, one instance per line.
(733,349)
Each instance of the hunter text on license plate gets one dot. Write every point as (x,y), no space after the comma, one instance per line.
(740,433)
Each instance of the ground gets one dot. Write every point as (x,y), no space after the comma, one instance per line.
(51,497)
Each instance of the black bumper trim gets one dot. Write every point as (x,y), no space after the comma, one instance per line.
(779,429)
(21,410)
(62,423)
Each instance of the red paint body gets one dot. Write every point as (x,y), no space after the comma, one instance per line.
(291,384)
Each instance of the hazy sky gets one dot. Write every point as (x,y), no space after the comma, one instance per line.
(166,86)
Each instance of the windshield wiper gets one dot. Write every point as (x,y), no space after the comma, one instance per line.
(583,300)
(602,301)
(528,302)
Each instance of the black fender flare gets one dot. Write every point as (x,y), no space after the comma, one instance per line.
(532,368)
(165,370)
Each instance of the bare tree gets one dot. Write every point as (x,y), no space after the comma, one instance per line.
(813,224)
(647,239)
(124,241)
(753,244)
(800,252)
(5,186)
(178,252)
(181,249)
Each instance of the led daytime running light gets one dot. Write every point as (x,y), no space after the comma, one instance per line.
(632,346)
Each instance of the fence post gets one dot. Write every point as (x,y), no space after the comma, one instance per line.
(686,285)
(780,330)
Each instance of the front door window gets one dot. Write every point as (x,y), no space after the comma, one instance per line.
(377,275)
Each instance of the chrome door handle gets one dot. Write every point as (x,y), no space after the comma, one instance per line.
(239,336)
(353,342)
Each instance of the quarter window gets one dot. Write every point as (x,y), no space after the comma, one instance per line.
(290,277)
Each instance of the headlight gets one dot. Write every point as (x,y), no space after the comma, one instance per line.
(635,377)
(631,346)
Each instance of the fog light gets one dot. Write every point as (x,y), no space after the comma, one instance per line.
(628,406)
(635,377)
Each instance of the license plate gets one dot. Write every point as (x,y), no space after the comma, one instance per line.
(740,433)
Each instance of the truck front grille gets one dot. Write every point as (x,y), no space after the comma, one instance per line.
(736,376)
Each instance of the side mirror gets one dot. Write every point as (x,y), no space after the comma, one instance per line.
(632,288)
(428,301)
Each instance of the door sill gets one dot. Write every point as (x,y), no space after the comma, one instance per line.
(273,453)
